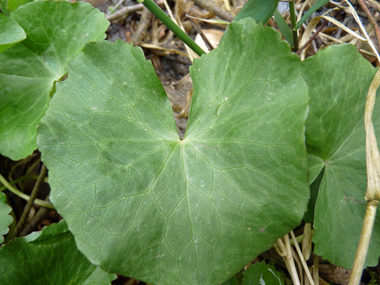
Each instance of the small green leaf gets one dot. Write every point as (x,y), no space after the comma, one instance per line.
(338,79)
(48,257)
(312,9)
(259,10)
(5,218)
(10,33)
(56,32)
(263,274)
(286,31)
(259,273)
(142,202)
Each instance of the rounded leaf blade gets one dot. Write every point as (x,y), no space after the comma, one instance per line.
(142,202)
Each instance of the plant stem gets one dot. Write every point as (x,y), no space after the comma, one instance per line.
(365,238)
(37,219)
(302,259)
(24,196)
(372,194)
(34,177)
(293,21)
(30,202)
(172,26)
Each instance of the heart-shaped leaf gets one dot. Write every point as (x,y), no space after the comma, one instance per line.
(48,257)
(56,32)
(142,202)
(338,79)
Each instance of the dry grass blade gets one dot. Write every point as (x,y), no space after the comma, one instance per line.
(357,19)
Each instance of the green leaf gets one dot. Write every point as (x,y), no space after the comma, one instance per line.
(259,273)
(263,274)
(318,4)
(48,257)
(259,10)
(286,31)
(14,4)
(3,6)
(338,79)
(10,33)
(143,203)
(56,32)
(5,218)
(314,189)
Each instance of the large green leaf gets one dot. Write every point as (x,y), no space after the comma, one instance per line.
(259,10)
(142,202)
(56,32)
(5,218)
(338,79)
(48,257)
(10,33)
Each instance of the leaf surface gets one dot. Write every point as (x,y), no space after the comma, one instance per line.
(258,273)
(56,32)
(142,202)
(14,4)
(338,80)
(48,257)
(5,218)
(263,274)
(10,33)
(259,10)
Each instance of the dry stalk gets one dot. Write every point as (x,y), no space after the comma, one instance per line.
(289,261)
(373,185)
(302,259)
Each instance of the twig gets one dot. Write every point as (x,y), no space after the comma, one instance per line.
(124,11)
(30,203)
(215,9)
(371,19)
(144,23)
(38,217)
(320,28)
